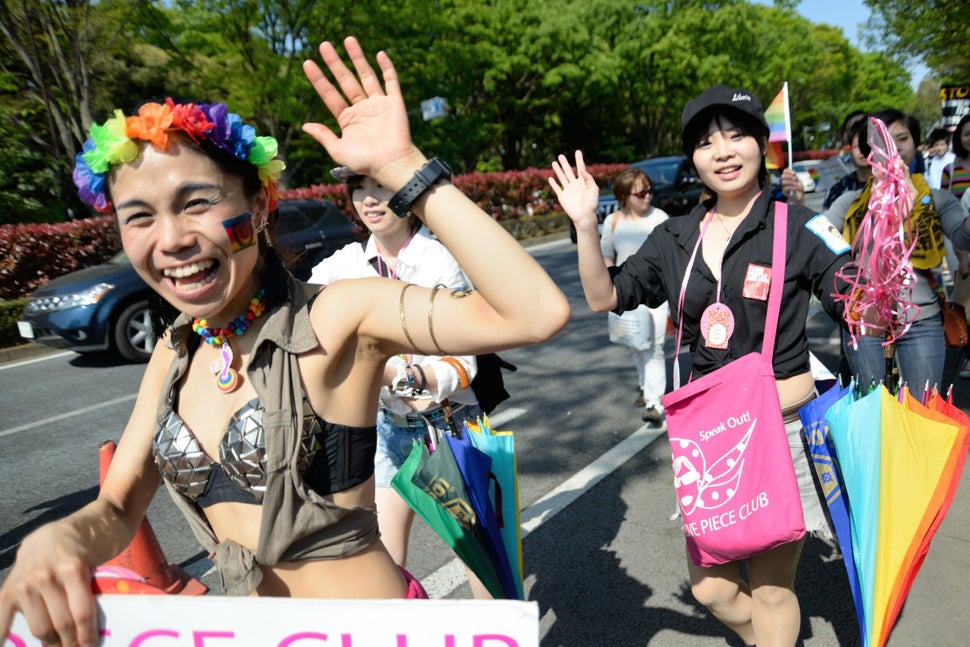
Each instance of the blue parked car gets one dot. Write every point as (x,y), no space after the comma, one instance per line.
(105,307)
(95,309)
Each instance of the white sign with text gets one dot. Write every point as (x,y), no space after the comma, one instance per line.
(220,621)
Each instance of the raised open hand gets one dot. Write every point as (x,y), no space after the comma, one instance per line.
(577,191)
(374,131)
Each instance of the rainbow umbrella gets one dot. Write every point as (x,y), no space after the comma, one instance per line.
(940,410)
(475,467)
(857,449)
(894,459)
(500,446)
(826,468)
(432,485)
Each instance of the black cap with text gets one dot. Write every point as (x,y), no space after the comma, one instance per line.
(723,96)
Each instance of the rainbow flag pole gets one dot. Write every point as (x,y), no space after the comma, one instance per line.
(778,117)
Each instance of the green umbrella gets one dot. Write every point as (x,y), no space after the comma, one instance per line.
(432,485)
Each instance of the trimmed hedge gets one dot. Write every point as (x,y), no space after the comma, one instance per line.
(10,312)
(510,195)
(33,254)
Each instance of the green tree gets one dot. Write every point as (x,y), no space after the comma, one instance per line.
(934,31)
(523,80)
(61,63)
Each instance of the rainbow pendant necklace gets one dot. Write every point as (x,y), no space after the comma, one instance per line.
(226,377)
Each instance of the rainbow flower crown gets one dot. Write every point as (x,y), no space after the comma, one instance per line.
(113,142)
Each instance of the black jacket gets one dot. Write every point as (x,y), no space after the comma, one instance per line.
(654,275)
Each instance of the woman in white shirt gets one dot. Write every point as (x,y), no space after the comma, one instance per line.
(422,396)
(624,232)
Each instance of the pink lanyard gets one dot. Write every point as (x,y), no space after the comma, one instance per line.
(392,271)
(774,298)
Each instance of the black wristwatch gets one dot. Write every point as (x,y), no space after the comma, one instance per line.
(423,179)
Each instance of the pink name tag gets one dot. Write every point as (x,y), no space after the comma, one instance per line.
(756,282)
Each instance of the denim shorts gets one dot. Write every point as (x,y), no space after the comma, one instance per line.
(394,443)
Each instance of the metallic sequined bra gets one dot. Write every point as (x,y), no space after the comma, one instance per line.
(242,450)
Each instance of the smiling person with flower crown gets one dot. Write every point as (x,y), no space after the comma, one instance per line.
(257,408)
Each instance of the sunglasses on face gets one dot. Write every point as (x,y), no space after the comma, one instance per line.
(642,194)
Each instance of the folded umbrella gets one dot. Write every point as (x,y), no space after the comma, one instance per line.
(822,454)
(854,430)
(938,503)
(476,472)
(893,459)
(500,446)
(436,493)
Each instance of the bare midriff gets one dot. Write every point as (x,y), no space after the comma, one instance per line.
(795,390)
(368,573)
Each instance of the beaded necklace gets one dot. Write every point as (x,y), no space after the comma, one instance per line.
(226,377)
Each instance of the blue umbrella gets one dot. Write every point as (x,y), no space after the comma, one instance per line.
(433,486)
(826,467)
(500,446)
(475,467)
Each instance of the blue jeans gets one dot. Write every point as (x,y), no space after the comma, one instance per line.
(394,442)
(919,355)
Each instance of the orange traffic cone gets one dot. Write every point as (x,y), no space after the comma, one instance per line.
(144,554)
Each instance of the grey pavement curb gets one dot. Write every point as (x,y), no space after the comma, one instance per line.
(24,351)
(547,238)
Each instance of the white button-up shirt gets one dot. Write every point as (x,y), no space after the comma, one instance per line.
(423,261)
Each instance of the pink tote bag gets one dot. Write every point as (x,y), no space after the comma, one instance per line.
(733,471)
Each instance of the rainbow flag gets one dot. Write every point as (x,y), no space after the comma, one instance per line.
(775,155)
(779,118)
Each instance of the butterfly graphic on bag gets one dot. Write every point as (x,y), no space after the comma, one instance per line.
(700,486)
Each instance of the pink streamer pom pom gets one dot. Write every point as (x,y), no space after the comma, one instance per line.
(880,273)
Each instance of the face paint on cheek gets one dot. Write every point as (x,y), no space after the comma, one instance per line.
(242,232)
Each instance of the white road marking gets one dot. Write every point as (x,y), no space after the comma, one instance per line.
(63,416)
(42,358)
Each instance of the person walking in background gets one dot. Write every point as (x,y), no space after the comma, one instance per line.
(918,165)
(956,180)
(420,394)
(956,176)
(702,264)
(939,158)
(257,408)
(936,215)
(624,232)
(849,124)
(855,179)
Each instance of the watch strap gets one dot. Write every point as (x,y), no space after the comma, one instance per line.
(423,179)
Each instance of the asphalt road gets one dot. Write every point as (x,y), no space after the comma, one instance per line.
(603,559)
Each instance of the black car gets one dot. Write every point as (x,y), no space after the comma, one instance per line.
(105,307)
(676,188)
(310,231)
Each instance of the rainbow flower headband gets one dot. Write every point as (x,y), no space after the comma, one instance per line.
(113,142)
